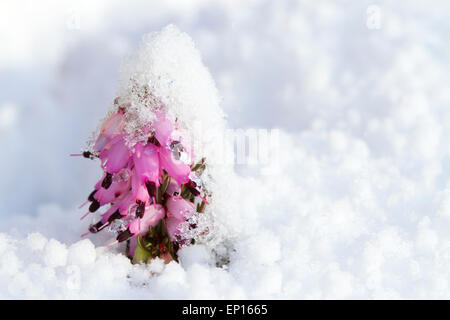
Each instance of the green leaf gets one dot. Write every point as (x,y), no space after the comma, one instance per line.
(140,253)
(185,193)
(164,184)
(159,227)
(162,189)
(199,167)
(201,207)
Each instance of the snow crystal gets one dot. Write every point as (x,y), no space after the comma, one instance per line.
(166,72)
(36,241)
(194,254)
(81,253)
(55,253)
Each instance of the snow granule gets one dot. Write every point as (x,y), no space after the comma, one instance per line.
(194,254)
(36,241)
(55,254)
(81,253)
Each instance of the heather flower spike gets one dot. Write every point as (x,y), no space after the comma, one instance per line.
(143,186)
(150,190)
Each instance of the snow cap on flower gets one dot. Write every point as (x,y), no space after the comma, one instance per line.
(166,74)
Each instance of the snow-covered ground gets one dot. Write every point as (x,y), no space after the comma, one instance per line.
(359,203)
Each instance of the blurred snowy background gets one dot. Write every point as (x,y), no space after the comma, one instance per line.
(361,205)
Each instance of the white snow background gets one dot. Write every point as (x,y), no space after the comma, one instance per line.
(360,205)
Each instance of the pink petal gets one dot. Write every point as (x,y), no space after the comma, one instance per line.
(146,162)
(117,157)
(173,187)
(163,129)
(125,203)
(101,142)
(98,185)
(108,213)
(105,196)
(180,208)
(175,168)
(139,189)
(133,245)
(173,225)
(113,124)
(112,127)
(152,215)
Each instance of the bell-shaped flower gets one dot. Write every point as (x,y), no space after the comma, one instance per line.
(175,168)
(117,156)
(104,196)
(152,215)
(139,190)
(178,211)
(179,208)
(146,163)
(111,214)
(173,227)
(112,126)
(173,189)
(132,247)
(163,129)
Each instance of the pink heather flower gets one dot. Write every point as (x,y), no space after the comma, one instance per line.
(178,211)
(179,208)
(133,245)
(112,127)
(152,215)
(117,156)
(116,189)
(173,188)
(173,227)
(163,129)
(146,162)
(139,190)
(175,168)
(143,183)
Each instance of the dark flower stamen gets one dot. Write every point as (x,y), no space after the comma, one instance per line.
(191,185)
(94,228)
(151,188)
(114,216)
(87,154)
(140,209)
(94,206)
(106,183)
(91,196)
(153,140)
(125,235)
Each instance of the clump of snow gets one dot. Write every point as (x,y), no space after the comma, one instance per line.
(81,253)
(194,254)
(167,72)
(55,253)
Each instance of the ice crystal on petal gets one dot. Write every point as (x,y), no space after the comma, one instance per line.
(118,226)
